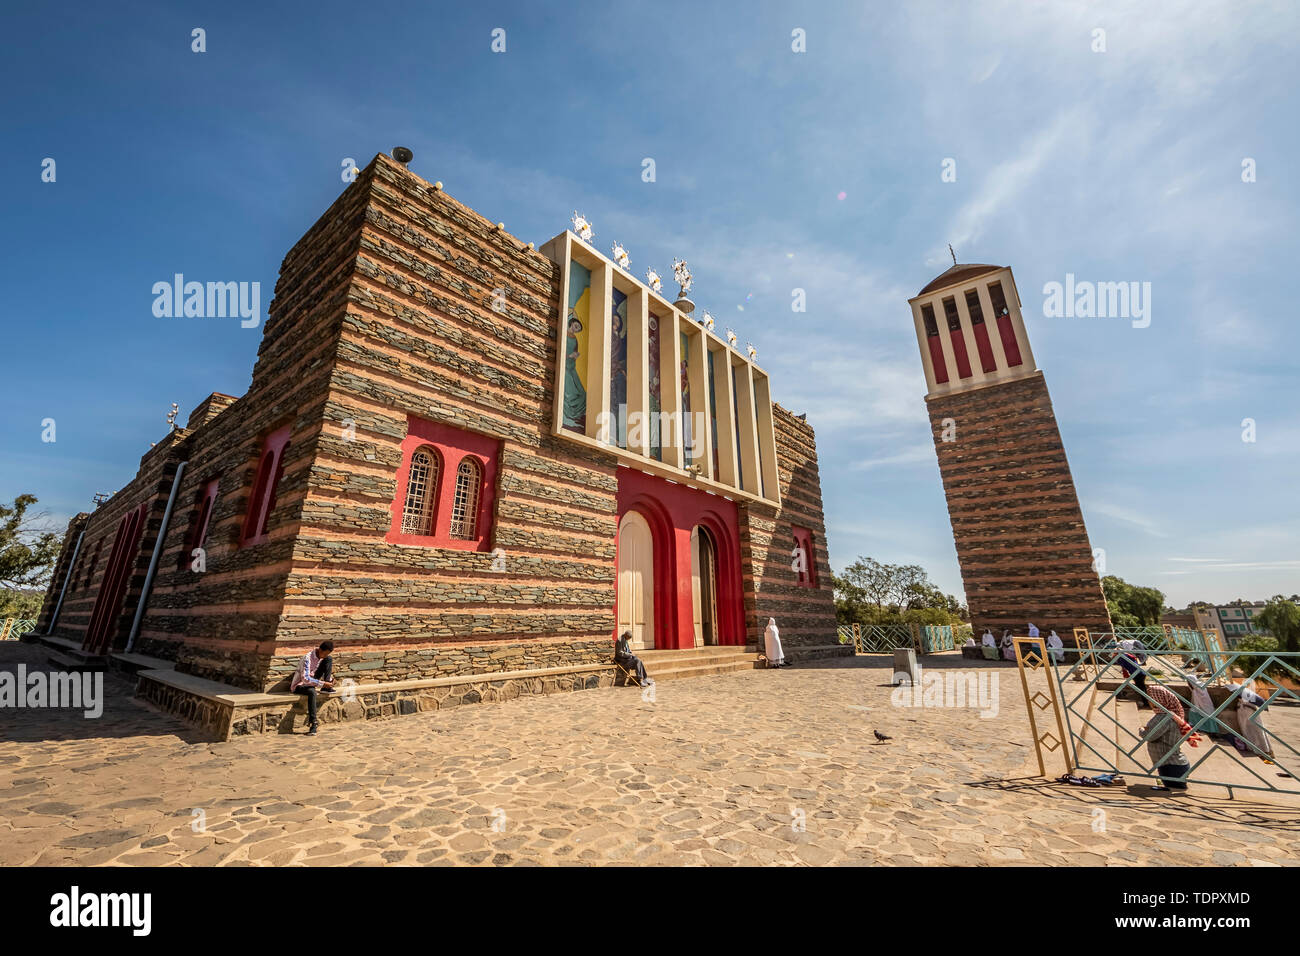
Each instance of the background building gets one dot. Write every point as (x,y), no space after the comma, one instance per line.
(1232,621)
(1020,537)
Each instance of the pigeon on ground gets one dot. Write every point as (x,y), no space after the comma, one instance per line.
(881,737)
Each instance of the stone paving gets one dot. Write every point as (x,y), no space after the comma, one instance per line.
(761,767)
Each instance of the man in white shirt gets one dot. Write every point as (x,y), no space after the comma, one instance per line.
(314,672)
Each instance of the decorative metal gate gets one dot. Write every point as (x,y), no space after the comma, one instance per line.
(1239,725)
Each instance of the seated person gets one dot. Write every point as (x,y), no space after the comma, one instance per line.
(314,672)
(625,659)
(1056,647)
(989,646)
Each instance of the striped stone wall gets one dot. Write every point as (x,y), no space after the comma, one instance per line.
(1020,536)
(151,486)
(419,335)
(804,615)
(221,623)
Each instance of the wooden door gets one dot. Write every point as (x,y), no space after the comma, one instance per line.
(636,581)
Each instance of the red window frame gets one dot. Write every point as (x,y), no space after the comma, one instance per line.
(803,538)
(200,518)
(270,470)
(452,445)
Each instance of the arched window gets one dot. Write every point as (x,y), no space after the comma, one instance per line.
(464,507)
(421,492)
(266,486)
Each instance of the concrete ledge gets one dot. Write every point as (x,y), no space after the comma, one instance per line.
(135,663)
(223,711)
(813,651)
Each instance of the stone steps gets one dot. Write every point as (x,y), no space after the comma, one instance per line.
(710,661)
(699,661)
(68,655)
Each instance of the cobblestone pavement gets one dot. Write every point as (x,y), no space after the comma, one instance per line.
(716,770)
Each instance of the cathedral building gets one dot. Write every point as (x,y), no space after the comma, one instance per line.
(469,463)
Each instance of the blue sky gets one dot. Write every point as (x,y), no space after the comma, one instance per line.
(1123,165)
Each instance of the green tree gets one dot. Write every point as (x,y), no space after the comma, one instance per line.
(1281,618)
(20,604)
(869,592)
(1130,605)
(27,552)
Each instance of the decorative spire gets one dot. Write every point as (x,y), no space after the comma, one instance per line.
(684,280)
(581,227)
(620,255)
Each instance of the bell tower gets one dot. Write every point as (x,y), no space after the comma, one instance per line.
(1019,531)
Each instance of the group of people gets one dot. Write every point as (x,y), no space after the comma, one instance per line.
(1005,648)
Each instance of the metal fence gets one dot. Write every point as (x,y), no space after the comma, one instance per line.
(1239,728)
(936,637)
(16,627)
(886,638)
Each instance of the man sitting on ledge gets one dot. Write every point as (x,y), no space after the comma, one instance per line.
(315,671)
(625,659)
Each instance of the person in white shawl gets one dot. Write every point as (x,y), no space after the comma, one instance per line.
(1055,647)
(1249,714)
(772,645)
(1202,706)
(988,639)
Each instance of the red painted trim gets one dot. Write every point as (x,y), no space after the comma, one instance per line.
(987,361)
(1009,345)
(270,470)
(803,538)
(121,561)
(200,518)
(936,359)
(959,352)
(452,445)
(672,511)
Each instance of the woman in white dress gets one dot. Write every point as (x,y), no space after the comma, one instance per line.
(772,645)
(1249,719)
(1056,647)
